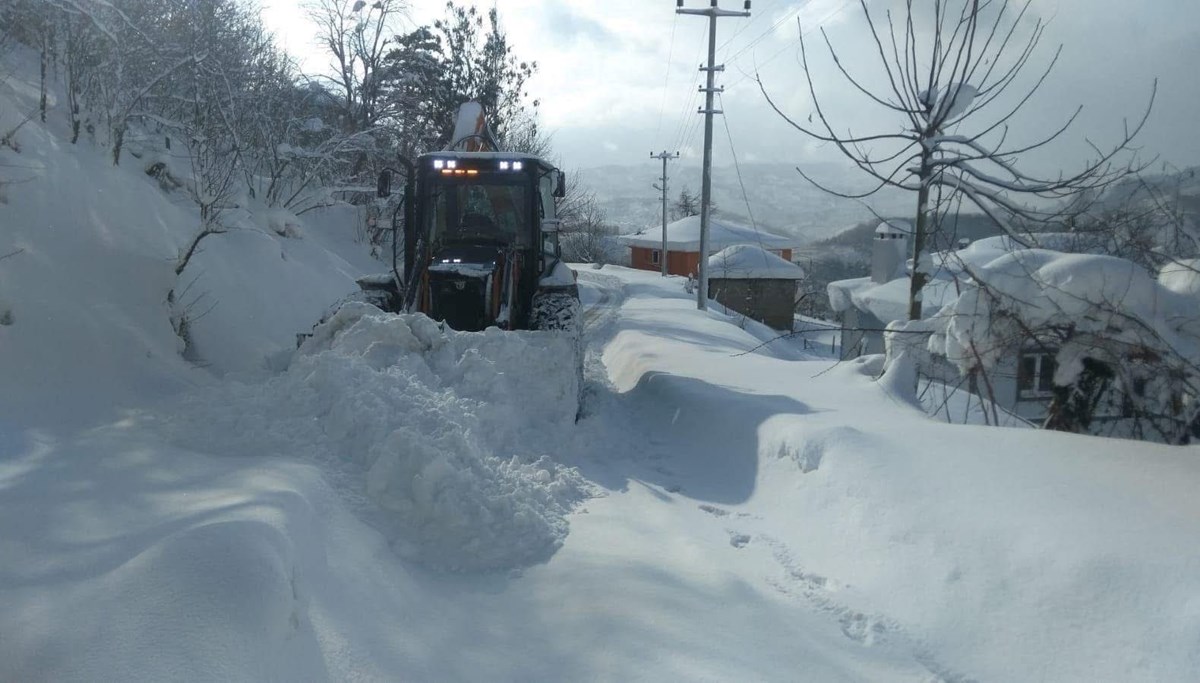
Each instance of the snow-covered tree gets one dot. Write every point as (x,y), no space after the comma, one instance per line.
(357,36)
(1123,342)
(952,71)
(466,55)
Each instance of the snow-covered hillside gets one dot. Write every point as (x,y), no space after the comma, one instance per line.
(394,501)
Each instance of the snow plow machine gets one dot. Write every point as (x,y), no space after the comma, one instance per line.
(475,245)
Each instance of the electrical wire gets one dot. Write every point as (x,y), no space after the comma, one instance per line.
(838,10)
(745,25)
(688,103)
(738,170)
(762,36)
(666,79)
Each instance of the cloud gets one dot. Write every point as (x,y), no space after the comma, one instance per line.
(624,71)
(567,26)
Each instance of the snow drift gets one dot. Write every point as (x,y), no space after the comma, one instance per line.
(449,432)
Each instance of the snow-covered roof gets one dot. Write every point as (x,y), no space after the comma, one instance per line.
(751,262)
(985,250)
(684,235)
(888,301)
(1001,256)
(893,226)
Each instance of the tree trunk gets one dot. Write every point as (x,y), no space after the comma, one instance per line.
(45,58)
(1073,407)
(118,141)
(918,279)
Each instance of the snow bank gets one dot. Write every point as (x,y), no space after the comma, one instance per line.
(449,432)
(83,297)
(270,277)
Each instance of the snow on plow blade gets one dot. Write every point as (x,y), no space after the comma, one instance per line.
(457,431)
(518,373)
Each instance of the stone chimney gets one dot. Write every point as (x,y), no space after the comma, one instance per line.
(889,251)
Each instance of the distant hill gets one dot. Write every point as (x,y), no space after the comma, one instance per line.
(968,226)
(781,201)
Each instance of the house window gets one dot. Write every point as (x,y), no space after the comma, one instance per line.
(655,257)
(1035,374)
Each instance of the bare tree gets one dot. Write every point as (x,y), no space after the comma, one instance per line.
(586,233)
(950,73)
(357,36)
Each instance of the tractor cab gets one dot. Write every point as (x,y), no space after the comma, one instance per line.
(480,237)
(483,233)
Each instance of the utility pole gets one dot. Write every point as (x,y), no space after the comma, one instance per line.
(713,13)
(662,254)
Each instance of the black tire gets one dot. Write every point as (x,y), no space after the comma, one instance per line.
(555,311)
(560,311)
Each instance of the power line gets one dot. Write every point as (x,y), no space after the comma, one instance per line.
(762,36)
(748,24)
(688,102)
(666,79)
(738,170)
(775,55)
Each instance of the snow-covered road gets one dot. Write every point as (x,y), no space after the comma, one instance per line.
(716,515)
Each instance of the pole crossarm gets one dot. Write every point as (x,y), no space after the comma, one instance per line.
(712,12)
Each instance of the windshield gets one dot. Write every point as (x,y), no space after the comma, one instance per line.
(472,212)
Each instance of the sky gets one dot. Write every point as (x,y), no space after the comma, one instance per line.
(618,79)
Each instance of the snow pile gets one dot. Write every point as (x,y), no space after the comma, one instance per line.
(449,432)
(1181,277)
(749,262)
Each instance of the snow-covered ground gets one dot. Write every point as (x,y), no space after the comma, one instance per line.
(397,502)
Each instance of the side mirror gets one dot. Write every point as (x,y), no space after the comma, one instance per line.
(560,188)
(384,186)
(551,226)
